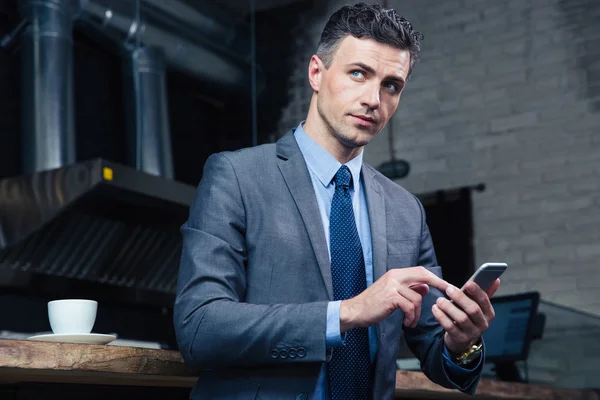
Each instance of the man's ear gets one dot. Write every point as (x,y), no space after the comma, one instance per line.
(315,72)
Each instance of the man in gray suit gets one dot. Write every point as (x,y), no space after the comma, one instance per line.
(302,267)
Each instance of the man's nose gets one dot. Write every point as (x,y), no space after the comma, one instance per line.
(370,97)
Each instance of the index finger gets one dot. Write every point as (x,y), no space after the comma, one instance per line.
(417,275)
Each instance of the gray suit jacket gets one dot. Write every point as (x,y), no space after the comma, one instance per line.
(255,279)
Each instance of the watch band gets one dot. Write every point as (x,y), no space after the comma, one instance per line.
(471,354)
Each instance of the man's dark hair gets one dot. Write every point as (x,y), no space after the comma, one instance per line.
(368,21)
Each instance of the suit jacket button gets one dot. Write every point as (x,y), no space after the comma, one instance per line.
(274,353)
(301,352)
(283,354)
(301,396)
(292,353)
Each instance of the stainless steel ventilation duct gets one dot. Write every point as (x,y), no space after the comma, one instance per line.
(204,44)
(210,23)
(190,41)
(47,81)
(151,34)
(147,113)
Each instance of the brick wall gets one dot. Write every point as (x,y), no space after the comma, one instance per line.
(507,93)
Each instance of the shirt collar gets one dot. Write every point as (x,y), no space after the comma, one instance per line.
(323,164)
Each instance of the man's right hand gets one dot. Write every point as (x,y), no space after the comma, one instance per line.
(401,288)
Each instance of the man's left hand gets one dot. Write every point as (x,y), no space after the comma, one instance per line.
(466,317)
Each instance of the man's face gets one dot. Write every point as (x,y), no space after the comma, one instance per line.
(360,91)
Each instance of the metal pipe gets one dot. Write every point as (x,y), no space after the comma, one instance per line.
(47,83)
(148,117)
(9,38)
(209,23)
(199,52)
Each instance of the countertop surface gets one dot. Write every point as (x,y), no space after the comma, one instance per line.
(30,361)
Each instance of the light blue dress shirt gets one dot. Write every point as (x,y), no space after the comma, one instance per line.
(322,167)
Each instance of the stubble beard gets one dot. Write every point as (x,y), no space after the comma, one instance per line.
(341,132)
(347,139)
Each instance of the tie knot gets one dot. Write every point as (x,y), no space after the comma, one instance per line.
(343,177)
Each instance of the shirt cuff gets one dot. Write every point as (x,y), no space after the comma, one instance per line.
(333,337)
(460,376)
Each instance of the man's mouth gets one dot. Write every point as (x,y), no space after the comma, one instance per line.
(364,120)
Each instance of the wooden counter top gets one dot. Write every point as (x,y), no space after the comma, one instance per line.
(415,385)
(28,361)
(31,361)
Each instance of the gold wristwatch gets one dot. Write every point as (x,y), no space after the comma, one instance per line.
(469,355)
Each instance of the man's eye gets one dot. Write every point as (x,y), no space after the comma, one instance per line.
(392,86)
(358,74)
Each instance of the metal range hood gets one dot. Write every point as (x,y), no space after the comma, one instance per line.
(98,229)
(97,222)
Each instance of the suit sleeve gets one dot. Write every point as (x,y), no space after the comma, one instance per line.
(426,340)
(213,324)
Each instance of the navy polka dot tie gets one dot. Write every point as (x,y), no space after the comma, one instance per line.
(350,371)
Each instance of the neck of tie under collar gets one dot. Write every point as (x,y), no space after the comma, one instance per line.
(343,177)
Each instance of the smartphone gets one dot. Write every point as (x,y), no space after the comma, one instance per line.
(487,274)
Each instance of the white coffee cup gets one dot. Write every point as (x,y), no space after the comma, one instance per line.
(72,316)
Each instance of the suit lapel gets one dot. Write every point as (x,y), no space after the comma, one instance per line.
(297,178)
(376,207)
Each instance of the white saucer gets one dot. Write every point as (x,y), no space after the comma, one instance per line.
(86,338)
